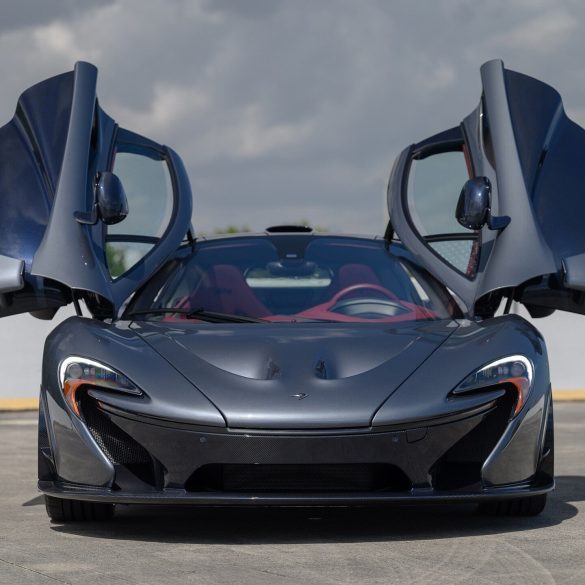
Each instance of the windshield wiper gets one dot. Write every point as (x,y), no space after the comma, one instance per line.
(200,313)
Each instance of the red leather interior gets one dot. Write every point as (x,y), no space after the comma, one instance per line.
(234,294)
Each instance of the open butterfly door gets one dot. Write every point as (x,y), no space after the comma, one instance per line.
(530,245)
(87,209)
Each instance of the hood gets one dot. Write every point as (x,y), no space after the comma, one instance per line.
(296,376)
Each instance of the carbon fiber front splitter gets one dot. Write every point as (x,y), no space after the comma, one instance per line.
(176,496)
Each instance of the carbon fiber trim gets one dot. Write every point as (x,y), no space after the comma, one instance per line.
(44,444)
(62,490)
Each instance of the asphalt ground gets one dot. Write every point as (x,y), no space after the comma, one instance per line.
(438,545)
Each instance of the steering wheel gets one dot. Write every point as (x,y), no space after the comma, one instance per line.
(389,307)
(349,289)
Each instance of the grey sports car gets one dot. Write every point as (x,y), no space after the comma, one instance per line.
(291,367)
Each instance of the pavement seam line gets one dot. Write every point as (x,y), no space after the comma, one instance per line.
(36,572)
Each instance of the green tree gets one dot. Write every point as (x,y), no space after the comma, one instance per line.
(316,228)
(116,258)
(233,229)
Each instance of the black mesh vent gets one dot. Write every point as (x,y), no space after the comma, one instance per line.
(118,446)
(460,467)
(298,478)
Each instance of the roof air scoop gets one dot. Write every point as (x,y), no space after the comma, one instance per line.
(289,229)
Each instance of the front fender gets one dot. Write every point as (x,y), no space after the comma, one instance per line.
(167,394)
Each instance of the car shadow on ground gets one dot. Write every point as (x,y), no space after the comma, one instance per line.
(321,525)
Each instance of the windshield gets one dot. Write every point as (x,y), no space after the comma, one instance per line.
(293,279)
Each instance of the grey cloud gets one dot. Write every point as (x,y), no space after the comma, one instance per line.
(281,104)
(27,13)
(248,9)
(293,109)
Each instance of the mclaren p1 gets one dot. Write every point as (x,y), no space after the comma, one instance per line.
(290,367)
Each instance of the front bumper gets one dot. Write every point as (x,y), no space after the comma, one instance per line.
(158,462)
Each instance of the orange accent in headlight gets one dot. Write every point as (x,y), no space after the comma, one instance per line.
(70,388)
(72,385)
(522,385)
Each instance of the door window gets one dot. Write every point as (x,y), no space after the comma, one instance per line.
(434,185)
(149,191)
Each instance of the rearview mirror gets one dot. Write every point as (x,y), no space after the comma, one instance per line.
(110,198)
(473,207)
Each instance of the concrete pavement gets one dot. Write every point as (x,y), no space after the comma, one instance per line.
(435,545)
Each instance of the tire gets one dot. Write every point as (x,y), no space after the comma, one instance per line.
(61,510)
(528,506)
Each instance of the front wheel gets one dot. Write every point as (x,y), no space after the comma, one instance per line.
(527,506)
(61,510)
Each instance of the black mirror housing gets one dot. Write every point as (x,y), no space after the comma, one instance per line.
(473,207)
(110,198)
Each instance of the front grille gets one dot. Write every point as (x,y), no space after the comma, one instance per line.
(298,478)
(118,446)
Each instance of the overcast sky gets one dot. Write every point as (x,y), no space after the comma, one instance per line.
(291,109)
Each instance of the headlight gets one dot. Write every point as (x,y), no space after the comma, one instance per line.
(76,372)
(516,370)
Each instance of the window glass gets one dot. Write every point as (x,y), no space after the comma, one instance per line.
(297,280)
(434,185)
(123,255)
(148,188)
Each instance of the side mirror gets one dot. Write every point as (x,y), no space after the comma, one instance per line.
(110,198)
(473,207)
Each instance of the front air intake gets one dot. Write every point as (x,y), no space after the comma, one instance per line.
(460,467)
(119,447)
(298,478)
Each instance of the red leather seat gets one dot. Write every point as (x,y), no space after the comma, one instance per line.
(234,294)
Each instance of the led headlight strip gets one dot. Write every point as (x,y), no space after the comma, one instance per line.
(76,372)
(516,370)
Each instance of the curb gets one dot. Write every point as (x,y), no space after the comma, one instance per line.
(31,404)
(569,395)
(18,404)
